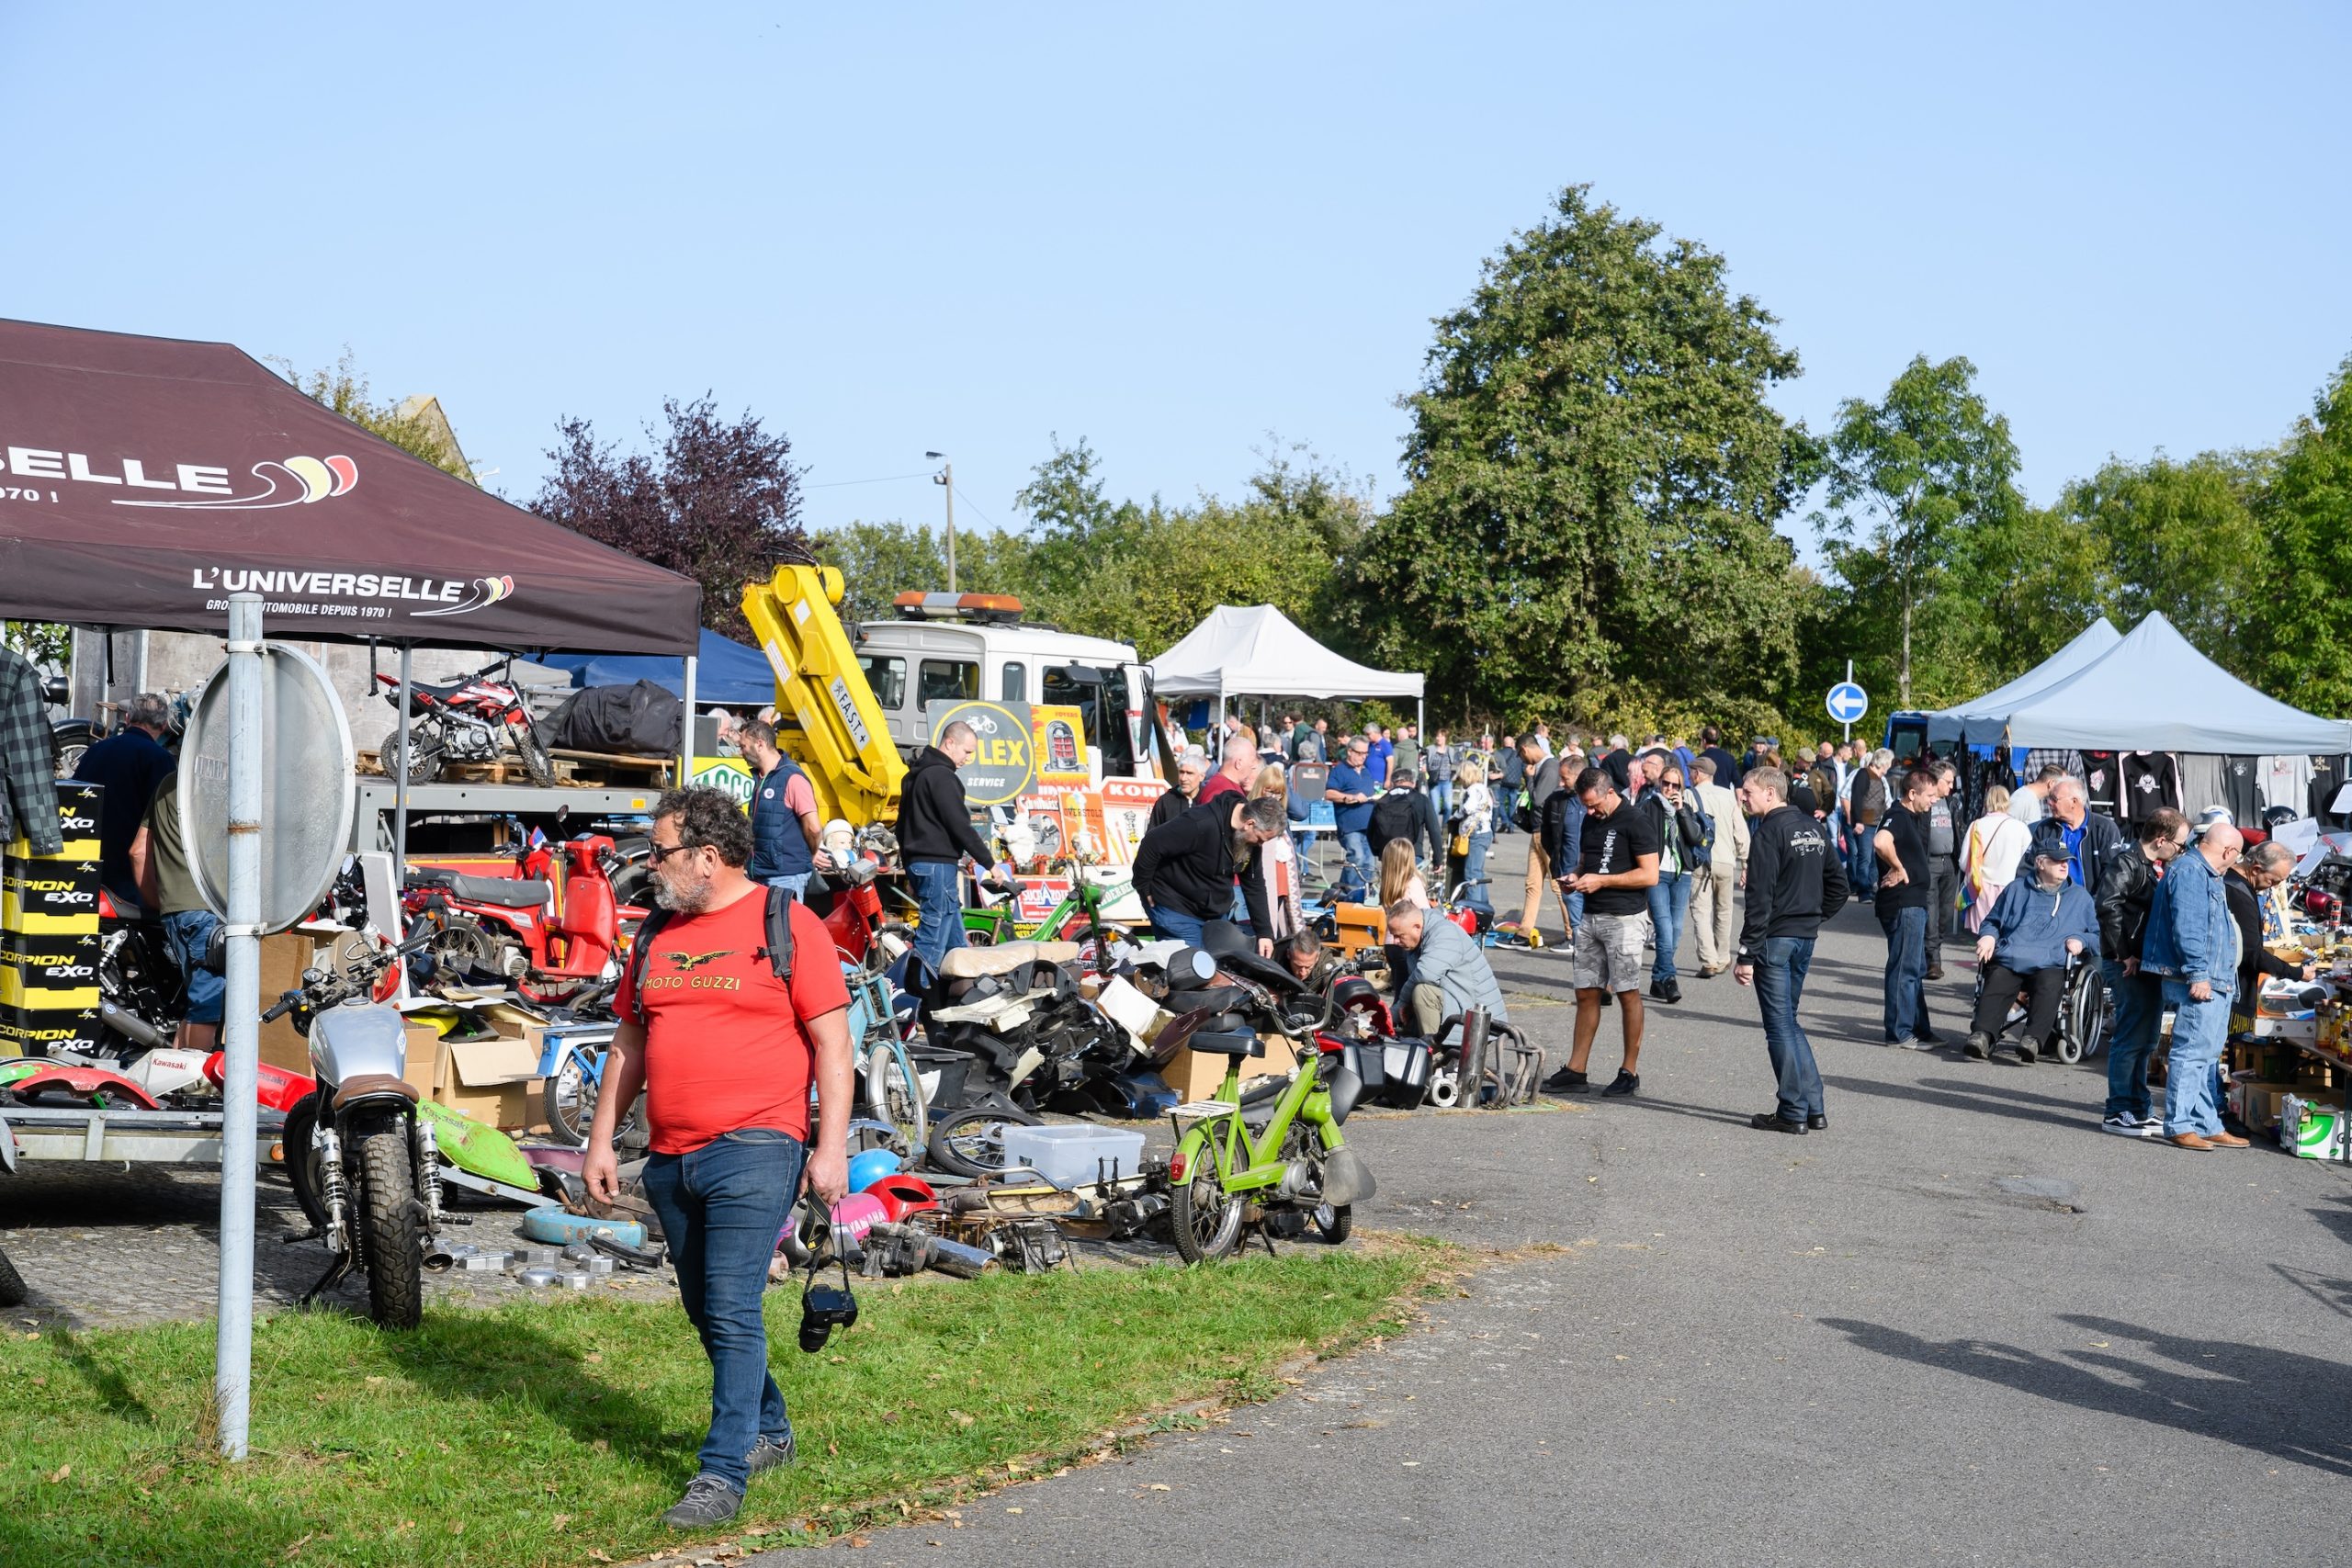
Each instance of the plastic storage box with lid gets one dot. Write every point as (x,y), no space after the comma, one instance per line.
(1072,1156)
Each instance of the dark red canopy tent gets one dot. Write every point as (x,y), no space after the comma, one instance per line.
(148,478)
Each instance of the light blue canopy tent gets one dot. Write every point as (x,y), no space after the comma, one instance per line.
(1979,720)
(2154,692)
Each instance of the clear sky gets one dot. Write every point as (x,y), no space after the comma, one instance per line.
(1173,230)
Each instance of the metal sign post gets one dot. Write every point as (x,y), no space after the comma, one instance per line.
(233,1356)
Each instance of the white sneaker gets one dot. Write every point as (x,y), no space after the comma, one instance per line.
(2129,1126)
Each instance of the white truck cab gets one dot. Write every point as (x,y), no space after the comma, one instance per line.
(970,646)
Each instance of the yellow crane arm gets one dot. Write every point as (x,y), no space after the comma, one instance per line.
(830,722)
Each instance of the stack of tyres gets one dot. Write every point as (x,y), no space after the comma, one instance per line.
(49,935)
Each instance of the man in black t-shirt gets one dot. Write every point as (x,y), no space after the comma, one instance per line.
(1903,883)
(1616,869)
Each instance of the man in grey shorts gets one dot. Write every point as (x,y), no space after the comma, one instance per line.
(1617,868)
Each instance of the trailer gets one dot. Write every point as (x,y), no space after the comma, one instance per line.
(136,1137)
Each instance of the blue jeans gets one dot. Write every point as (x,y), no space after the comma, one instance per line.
(1474,866)
(1356,882)
(1670,910)
(2198,1029)
(1174,924)
(1442,796)
(722,1207)
(1779,987)
(939,903)
(1863,869)
(187,934)
(2139,1010)
(1906,972)
(797,884)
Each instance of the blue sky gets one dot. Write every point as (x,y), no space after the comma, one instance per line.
(1174,229)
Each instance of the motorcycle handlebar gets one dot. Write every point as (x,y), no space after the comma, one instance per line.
(285,1004)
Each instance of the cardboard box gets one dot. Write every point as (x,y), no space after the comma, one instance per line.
(28,1032)
(48,972)
(284,956)
(2258,1105)
(1198,1075)
(77,823)
(49,898)
(424,1057)
(496,1081)
(2310,1130)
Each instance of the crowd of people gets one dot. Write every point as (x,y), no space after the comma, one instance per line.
(1630,846)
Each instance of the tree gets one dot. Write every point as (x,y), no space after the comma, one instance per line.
(722,505)
(417,432)
(1908,476)
(2182,539)
(2305,628)
(1595,474)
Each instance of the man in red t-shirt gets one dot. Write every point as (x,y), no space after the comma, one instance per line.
(726,1053)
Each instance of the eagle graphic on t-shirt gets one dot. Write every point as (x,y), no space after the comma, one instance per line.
(687,963)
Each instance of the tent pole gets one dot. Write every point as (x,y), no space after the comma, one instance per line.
(687,739)
(241,1030)
(400,779)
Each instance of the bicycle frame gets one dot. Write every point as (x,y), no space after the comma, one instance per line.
(1247,1164)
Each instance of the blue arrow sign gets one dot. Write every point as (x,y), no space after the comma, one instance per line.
(1847,703)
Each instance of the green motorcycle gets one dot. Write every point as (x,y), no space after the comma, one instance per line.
(1292,1170)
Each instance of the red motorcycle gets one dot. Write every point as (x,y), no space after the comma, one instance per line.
(562,925)
(470,720)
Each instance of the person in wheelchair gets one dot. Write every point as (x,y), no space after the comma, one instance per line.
(1448,976)
(2038,927)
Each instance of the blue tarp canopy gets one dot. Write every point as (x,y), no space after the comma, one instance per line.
(729,673)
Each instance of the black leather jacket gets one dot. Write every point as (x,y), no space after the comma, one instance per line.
(2125,887)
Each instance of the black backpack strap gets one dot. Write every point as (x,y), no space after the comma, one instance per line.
(640,954)
(779,951)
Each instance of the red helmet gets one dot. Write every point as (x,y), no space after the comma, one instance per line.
(902,1195)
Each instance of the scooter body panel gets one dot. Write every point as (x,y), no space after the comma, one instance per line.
(355,1040)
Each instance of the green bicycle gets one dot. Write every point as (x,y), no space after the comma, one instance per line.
(1293,1171)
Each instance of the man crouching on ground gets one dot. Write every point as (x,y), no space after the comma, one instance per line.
(726,1051)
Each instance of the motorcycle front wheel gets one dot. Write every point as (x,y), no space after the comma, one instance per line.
(388,1215)
(894,1092)
(970,1142)
(536,764)
(1207,1218)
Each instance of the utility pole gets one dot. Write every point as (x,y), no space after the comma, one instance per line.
(945,479)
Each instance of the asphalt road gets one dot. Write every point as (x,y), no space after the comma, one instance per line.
(1960,1326)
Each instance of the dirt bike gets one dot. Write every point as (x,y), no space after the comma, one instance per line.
(360,1143)
(470,720)
(1292,1171)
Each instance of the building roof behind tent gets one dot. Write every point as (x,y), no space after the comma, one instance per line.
(2154,692)
(150,477)
(1259,651)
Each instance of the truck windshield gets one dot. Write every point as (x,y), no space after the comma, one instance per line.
(1100,698)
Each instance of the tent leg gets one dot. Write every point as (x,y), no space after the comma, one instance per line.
(400,779)
(686,739)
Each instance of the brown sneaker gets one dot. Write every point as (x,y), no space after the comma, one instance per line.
(2226,1141)
(2189,1141)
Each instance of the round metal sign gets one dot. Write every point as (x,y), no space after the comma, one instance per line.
(307,796)
(1847,703)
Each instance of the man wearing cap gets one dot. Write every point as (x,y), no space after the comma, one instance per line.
(2037,924)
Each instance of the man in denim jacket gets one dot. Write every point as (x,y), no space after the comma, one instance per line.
(2192,943)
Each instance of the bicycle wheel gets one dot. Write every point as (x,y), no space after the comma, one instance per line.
(970,1142)
(1207,1218)
(894,1094)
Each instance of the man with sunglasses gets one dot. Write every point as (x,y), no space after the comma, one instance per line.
(1352,789)
(727,1053)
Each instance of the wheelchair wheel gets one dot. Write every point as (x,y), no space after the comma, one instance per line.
(2082,1016)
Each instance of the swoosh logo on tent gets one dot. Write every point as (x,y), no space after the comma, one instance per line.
(487,591)
(296,481)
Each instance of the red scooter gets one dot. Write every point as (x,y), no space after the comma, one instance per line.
(469,720)
(557,927)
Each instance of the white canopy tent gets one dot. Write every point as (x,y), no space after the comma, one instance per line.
(2152,692)
(1256,650)
(1985,715)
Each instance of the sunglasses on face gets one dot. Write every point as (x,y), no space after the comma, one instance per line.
(660,853)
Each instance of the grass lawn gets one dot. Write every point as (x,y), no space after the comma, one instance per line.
(556,1429)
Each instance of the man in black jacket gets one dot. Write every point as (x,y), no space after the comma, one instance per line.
(2091,837)
(1794,882)
(935,836)
(2126,885)
(1186,869)
(1403,812)
(2258,870)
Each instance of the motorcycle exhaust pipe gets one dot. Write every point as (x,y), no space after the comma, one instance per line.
(132,1027)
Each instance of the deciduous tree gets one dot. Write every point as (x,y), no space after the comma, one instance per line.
(2305,621)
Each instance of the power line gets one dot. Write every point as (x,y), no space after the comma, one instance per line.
(886,478)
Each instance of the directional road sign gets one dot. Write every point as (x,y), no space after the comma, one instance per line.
(1847,703)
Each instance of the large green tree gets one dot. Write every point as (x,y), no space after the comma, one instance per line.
(1911,476)
(1595,473)
(2181,537)
(2304,626)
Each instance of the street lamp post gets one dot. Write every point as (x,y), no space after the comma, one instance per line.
(945,479)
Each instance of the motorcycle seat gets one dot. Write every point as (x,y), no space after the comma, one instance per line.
(504,891)
(972,963)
